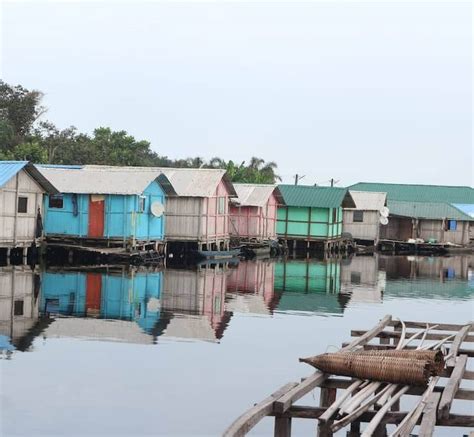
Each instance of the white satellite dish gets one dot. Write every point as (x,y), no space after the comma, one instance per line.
(384,220)
(157,209)
(384,211)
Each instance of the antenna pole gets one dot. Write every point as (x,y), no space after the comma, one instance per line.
(298,178)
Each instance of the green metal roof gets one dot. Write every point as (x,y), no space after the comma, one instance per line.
(316,197)
(419,193)
(427,210)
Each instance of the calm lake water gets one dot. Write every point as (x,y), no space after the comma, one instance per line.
(183,352)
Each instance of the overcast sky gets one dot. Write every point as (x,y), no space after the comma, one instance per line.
(369,91)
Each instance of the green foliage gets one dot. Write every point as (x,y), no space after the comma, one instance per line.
(21,108)
(23,138)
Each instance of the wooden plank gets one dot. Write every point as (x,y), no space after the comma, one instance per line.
(461,336)
(462,393)
(369,335)
(243,424)
(327,397)
(440,327)
(282,427)
(397,334)
(391,417)
(285,401)
(468,352)
(428,420)
(451,388)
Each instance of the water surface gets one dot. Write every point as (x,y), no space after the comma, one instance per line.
(133,352)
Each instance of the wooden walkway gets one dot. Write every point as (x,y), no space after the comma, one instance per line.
(433,406)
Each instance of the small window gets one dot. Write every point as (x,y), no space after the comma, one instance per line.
(358,216)
(56,201)
(18,308)
(355,278)
(451,225)
(221,205)
(141,203)
(23,205)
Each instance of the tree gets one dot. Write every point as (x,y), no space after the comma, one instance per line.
(20,108)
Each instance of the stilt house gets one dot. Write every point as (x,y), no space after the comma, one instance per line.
(101,205)
(253,213)
(21,203)
(363,221)
(425,211)
(198,216)
(312,214)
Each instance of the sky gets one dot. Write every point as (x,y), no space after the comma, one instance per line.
(355,91)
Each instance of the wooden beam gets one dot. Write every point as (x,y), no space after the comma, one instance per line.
(243,424)
(468,352)
(439,327)
(458,340)
(285,401)
(392,417)
(397,334)
(428,421)
(451,388)
(369,335)
(462,393)
(282,427)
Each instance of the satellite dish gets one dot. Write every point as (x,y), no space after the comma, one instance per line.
(384,220)
(157,209)
(384,211)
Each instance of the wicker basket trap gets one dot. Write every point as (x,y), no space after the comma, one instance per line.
(393,369)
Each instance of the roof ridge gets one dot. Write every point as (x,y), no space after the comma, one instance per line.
(412,185)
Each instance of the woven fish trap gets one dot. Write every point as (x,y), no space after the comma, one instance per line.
(436,358)
(396,370)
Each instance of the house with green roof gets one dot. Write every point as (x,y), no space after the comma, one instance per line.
(429,212)
(312,213)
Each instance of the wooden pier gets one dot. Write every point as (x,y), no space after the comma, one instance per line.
(433,406)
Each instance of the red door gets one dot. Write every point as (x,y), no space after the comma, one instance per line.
(93,292)
(96,216)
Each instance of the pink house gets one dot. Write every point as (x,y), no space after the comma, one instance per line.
(253,214)
(199,214)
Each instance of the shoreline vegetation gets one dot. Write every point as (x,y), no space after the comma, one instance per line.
(25,135)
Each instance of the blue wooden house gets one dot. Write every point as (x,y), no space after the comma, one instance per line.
(103,205)
(129,296)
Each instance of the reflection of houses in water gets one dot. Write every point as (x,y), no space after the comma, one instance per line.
(19,299)
(361,277)
(436,277)
(196,300)
(306,285)
(251,288)
(128,300)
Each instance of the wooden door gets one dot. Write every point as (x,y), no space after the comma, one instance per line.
(96,216)
(93,294)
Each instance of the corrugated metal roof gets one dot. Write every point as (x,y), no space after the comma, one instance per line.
(313,196)
(419,193)
(187,182)
(427,210)
(103,179)
(197,182)
(466,208)
(255,194)
(369,201)
(9,169)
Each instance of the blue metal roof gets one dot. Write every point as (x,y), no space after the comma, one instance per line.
(8,169)
(466,208)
